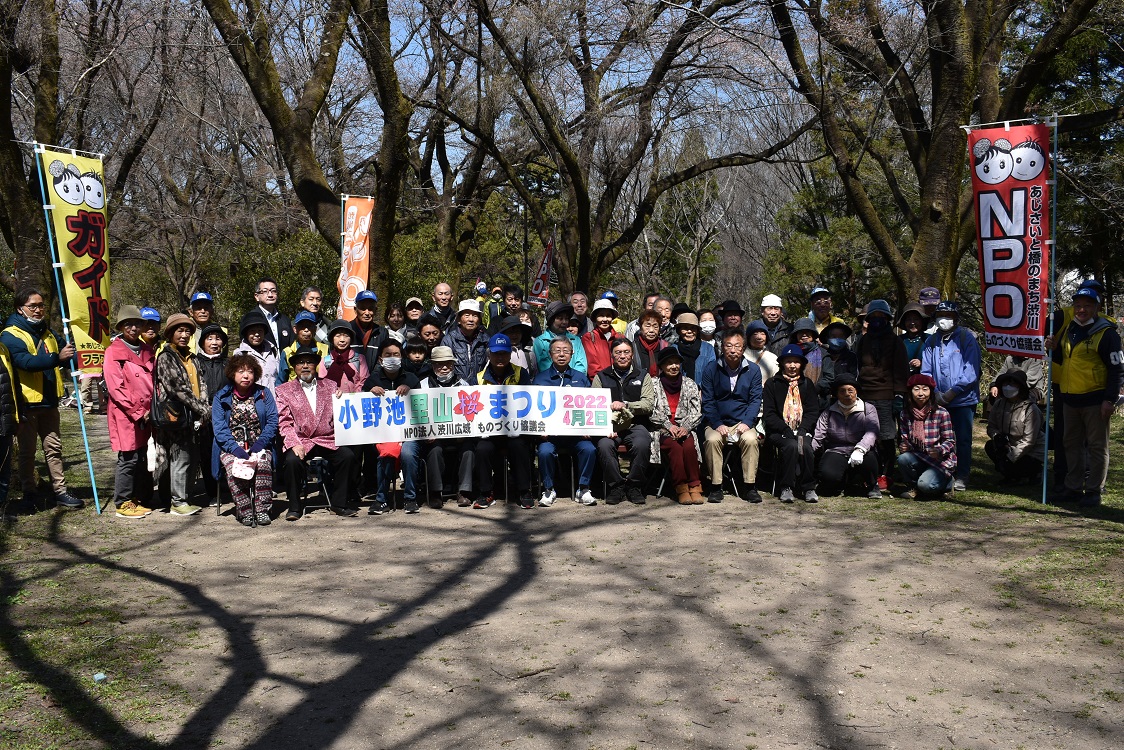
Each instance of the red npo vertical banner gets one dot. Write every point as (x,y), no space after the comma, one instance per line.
(1012,203)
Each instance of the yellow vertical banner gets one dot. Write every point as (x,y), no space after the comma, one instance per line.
(75,201)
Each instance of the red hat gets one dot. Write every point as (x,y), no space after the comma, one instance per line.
(922,379)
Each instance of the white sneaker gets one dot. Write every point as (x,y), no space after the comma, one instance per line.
(585,497)
(548,498)
(958,485)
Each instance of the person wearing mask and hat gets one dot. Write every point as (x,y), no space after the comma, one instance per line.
(562,375)
(596,341)
(927,452)
(500,371)
(304,332)
(845,437)
(1014,430)
(619,324)
(819,368)
(448,456)
(676,412)
(834,338)
(790,409)
(254,330)
(558,316)
(129,367)
(821,314)
(468,340)
(178,381)
(305,424)
(1033,369)
(150,327)
(772,320)
(367,335)
(913,322)
(390,378)
(883,371)
(414,309)
(38,355)
(928,299)
(343,364)
(1088,367)
(695,354)
(210,359)
(951,357)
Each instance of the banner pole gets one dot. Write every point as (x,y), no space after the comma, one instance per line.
(56,264)
(1047,362)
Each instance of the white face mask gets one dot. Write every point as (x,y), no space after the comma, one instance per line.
(946,324)
(1010,391)
(708,327)
(391,364)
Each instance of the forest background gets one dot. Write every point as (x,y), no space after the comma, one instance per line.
(708,150)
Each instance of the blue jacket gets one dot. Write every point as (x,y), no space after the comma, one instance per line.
(723,406)
(954,365)
(220,418)
(571,378)
(542,351)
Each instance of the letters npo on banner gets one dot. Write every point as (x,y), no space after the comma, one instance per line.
(76,201)
(1012,203)
(540,288)
(356,251)
(472,411)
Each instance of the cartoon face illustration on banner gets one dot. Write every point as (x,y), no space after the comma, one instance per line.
(93,190)
(68,183)
(993,161)
(1027,160)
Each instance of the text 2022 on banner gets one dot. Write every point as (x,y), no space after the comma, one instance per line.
(473,411)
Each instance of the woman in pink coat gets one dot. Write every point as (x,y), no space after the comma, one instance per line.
(129,365)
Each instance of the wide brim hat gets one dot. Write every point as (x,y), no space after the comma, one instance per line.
(802,324)
(1018,377)
(732,307)
(175,320)
(913,307)
(554,309)
(835,324)
(670,352)
(687,319)
(127,312)
(511,322)
(305,351)
(250,319)
(603,305)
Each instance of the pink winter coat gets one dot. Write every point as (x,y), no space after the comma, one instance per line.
(128,379)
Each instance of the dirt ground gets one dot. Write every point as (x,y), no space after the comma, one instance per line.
(839,625)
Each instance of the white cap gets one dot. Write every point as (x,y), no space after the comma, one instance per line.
(771,300)
(468,305)
(603,304)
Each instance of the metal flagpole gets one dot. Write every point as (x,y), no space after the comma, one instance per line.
(61,293)
(1053,245)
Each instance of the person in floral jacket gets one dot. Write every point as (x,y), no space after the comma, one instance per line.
(926,441)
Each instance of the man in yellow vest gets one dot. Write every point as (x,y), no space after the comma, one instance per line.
(1088,366)
(38,355)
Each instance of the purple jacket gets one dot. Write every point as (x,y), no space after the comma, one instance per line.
(837,432)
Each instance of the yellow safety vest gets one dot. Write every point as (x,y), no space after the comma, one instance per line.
(1059,374)
(512,379)
(1083,370)
(6,360)
(31,383)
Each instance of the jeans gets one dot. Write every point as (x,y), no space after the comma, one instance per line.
(927,479)
(962,419)
(585,453)
(387,472)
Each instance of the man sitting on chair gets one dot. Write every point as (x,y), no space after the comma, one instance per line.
(304,416)
(731,404)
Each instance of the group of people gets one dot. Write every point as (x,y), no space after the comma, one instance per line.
(704,396)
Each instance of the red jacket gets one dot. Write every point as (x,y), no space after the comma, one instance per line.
(597,354)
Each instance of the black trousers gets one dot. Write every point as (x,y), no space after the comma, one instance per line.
(518,456)
(1024,469)
(795,468)
(295,471)
(835,472)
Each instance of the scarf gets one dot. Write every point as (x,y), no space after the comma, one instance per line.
(690,351)
(917,426)
(671,385)
(858,406)
(653,369)
(188,362)
(793,406)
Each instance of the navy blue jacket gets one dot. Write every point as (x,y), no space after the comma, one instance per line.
(571,378)
(722,406)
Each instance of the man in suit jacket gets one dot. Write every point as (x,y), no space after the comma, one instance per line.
(304,418)
(280,328)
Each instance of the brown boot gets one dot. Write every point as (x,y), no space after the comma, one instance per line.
(684,494)
(697,496)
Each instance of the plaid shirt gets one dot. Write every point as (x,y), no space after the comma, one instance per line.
(938,434)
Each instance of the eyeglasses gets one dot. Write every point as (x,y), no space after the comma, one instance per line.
(267,291)
(35,305)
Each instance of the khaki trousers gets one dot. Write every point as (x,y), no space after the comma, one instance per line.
(36,425)
(1085,428)
(712,454)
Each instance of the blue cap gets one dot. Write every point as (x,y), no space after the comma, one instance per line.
(1087,291)
(366,294)
(201,296)
(1093,284)
(819,290)
(499,343)
(879,305)
(481,287)
(947,306)
(304,316)
(793,350)
(609,294)
(150,313)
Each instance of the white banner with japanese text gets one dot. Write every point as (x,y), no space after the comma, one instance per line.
(473,411)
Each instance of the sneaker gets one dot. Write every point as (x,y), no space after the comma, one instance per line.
(377,509)
(463,501)
(247,520)
(585,497)
(548,498)
(131,509)
(526,502)
(344,511)
(412,506)
(616,495)
(884,483)
(752,496)
(786,495)
(483,503)
(958,485)
(874,494)
(716,496)
(263,519)
(811,497)
(636,495)
(68,501)
(185,509)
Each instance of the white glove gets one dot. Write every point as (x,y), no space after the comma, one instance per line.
(856,458)
(259,455)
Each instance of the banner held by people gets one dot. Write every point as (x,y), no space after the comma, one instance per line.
(540,287)
(471,411)
(1011,195)
(355,252)
(75,204)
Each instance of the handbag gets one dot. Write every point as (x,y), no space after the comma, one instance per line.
(168,412)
